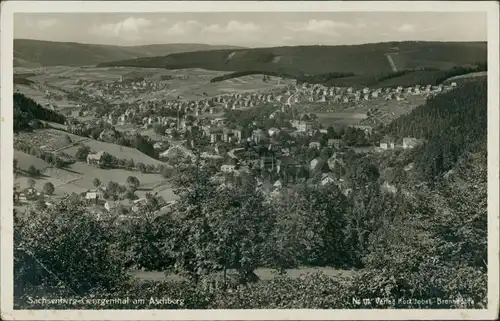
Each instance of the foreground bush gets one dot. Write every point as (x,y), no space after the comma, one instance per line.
(421,290)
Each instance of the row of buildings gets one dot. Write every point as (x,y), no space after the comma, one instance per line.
(320,93)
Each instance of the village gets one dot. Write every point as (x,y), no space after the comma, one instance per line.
(284,144)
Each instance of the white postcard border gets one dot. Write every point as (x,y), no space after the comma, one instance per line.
(6,137)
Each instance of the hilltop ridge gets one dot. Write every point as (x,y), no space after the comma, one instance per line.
(36,53)
(373,58)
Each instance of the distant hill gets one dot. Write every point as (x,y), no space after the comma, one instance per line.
(358,59)
(34,53)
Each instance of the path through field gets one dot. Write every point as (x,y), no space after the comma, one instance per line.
(72,144)
(391,62)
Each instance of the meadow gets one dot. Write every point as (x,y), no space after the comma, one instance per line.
(57,140)
(467,77)
(118,151)
(79,177)
(24,161)
(189,84)
(340,118)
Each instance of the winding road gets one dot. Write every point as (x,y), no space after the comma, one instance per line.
(232,151)
(289,103)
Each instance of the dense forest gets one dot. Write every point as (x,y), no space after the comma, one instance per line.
(452,124)
(300,77)
(406,77)
(26,110)
(361,59)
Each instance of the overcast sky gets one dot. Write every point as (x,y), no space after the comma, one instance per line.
(251,29)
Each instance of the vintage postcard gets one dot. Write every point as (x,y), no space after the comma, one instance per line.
(276,160)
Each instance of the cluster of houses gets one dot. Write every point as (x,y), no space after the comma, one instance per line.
(28,195)
(95,197)
(320,93)
(198,107)
(283,97)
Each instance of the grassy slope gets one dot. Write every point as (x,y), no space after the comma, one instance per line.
(32,53)
(474,76)
(24,161)
(360,59)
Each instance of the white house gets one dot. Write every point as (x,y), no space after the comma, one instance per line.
(110,205)
(136,204)
(228,168)
(316,145)
(273,131)
(313,164)
(95,159)
(410,142)
(327,179)
(387,143)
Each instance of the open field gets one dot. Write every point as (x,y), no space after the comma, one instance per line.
(190,84)
(48,139)
(264,274)
(79,178)
(57,140)
(87,174)
(340,118)
(24,161)
(118,151)
(61,187)
(384,111)
(467,77)
(37,93)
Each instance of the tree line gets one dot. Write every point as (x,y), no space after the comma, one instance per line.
(452,123)
(26,111)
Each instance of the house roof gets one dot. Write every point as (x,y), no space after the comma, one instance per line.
(361,127)
(111,204)
(410,140)
(287,160)
(230,161)
(215,130)
(91,195)
(97,155)
(140,200)
(177,149)
(387,139)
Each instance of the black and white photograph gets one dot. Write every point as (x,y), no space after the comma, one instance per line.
(249,161)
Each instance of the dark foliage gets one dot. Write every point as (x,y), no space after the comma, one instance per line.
(445,122)
(26,110)
(359,59)
(300,77)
